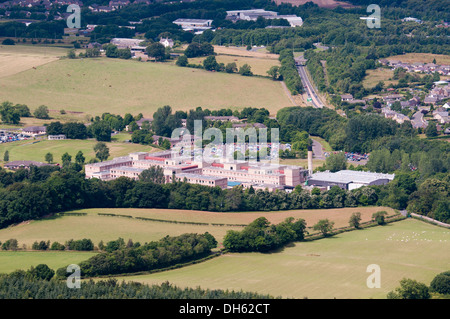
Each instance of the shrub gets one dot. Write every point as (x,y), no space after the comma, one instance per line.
(441,283)
(8,42)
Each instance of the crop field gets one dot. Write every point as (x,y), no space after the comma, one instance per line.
(13,260)
(334,267)
(35,150)
(99,227)
(99,85)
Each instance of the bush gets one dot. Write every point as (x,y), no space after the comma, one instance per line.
(379,217)
(42,271)
(182,61)
(10,244)
(8,42)
(57,246)
(441,283)
(80,245)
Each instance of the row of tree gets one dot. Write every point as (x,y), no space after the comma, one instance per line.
(154,255)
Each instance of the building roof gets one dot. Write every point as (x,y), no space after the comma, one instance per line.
(348,176)
(25,163)
(35,129)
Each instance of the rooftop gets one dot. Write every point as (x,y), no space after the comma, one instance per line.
(348,176)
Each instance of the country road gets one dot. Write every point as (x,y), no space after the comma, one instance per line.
(317,103)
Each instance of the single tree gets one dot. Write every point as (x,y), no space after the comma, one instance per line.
(325,226)
(101,151)
(210,63)
(79,158)
(49,158)
(41,112)
(336,162)
(6,156)
(231,67)
(355,220)
(156,50)
(245,70)
(274,72)
(182,60)
(154,174)
(379,217)
(66,159)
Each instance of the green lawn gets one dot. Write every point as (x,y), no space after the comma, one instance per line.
(326,268)
(13,260)
(99,85)
(35,150)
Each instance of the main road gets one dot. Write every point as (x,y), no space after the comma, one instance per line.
(310,90)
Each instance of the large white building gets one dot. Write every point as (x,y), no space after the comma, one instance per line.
(194,24)
(254,14)
(347,179)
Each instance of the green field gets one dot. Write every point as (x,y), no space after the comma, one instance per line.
(106,228)
(325,268)
(259,66)
(99,85)
(335,267)
(13,260)
(35,150)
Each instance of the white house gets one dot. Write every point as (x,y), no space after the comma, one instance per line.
(166,42)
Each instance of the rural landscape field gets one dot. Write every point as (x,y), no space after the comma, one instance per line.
(105,194)
(95,86)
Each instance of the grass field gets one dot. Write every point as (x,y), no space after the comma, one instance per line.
(18,58)
(374,76)
(106,228)
(99,85)
(13,260)
(259,66)
(324,143)
(422,58)
(30,150)
(334,267)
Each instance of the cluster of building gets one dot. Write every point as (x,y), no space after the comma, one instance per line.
(226,173)
(221,172)
(438,93)
(417,67)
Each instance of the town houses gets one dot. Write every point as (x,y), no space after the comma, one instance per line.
(417,67)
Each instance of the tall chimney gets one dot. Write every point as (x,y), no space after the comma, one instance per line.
(310,161)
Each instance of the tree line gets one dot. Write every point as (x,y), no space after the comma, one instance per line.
(166,252)
(40,283)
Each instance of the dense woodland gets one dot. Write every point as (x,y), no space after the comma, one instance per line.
(26,285)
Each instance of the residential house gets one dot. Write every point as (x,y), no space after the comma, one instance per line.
(166,42)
